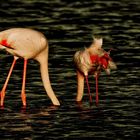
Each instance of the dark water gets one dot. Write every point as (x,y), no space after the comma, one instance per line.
(69,26)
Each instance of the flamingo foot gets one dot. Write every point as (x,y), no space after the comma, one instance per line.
(2,107)
(24,107)
(97,103)
(79,103)
(2,96)
(23,98)
(90,103)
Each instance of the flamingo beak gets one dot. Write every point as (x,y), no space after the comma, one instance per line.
(107,71)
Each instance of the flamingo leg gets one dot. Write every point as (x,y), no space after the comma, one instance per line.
(89,93)
(97,95)
(80,86)
(23,95)
(6,82)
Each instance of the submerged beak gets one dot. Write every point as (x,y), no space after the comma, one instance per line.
(2,47)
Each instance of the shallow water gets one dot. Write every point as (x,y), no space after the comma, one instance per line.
(69,26)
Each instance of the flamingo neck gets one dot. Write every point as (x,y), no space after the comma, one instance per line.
(43,60)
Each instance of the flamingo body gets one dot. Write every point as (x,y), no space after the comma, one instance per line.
(27,44)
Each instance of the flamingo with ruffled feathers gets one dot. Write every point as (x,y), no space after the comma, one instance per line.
(27,44)
(91,60)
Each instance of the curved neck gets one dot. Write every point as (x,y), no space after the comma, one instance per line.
(43,60)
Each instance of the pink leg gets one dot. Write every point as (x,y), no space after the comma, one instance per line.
(6,82)
(97,96)
(90,97)
(23,95)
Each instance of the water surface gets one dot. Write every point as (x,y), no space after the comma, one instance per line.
(69,26)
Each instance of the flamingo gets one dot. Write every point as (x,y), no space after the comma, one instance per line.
(91,60)
(27,44)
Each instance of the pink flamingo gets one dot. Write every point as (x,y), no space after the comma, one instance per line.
(91,60)
(28,44)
